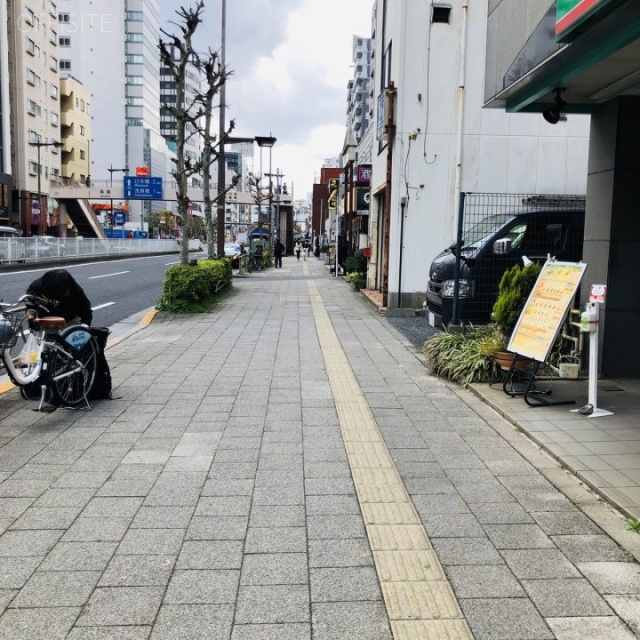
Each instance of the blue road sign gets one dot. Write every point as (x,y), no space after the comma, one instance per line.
(137,188)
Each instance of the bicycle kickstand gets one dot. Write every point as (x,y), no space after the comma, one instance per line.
(43,395)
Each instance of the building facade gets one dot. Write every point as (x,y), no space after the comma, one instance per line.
(359,102)
(6,177)
(433,140)
(579,56)
(75,124)
(34,90)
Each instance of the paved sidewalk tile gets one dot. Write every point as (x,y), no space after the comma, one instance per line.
(284,467)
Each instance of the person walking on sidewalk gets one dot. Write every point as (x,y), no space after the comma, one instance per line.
(305,251)
(298,249)
(278,250)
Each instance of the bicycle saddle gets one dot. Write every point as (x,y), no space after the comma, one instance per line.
(51,323)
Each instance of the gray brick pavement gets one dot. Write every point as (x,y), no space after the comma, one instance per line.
(214,498)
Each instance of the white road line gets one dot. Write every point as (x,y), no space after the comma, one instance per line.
(108,275)
(102,306)
(166,264)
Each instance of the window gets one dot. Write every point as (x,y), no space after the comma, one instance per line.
(134,80)
(64,17)
(135,37)
(53,64)
(53,36)
(33,168)
(54,121)
(135,16)
(55,171)
(82,105)
(135,59)
(440,14)
(135,102)
(33,108)
(53,10)
(64,41)
(34,136)
(65,65)
(32,78)
(32,47)
(82,130)
(82,154)
(134,122)
(54,91)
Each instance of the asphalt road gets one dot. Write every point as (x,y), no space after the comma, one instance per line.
(117,288)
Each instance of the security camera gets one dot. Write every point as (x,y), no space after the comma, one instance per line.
(552,114)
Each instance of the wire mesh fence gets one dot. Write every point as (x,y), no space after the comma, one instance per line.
(495,232)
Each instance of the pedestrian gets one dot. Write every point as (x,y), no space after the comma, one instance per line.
(62,296)
(305,252)
(298,249)
(278,250)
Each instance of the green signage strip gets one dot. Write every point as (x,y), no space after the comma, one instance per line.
(571,13)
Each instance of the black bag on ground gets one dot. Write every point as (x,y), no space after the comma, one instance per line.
(102,386)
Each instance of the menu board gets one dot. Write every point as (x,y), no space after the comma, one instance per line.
(546,309)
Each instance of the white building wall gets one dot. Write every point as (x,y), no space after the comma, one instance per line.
(500,152)
(5,110)
(96,56)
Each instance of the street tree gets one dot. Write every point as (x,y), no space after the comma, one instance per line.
(176,52)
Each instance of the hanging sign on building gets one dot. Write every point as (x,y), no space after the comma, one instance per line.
(333,194)
(364,201)
(364,174)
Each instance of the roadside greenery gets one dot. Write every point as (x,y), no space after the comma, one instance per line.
(356,269)
(194,288)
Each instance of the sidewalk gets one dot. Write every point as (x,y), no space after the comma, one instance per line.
(284,468)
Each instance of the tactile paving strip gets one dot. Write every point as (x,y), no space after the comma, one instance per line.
(419,600)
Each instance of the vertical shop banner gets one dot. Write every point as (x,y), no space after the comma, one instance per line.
(333,194)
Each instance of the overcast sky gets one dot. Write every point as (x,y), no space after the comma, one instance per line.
(291,61)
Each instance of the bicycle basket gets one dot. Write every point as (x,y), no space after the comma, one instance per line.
(9,326)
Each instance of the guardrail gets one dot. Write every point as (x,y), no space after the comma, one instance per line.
(38,249)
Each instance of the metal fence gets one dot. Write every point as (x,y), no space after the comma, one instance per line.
(39,249)
(496,231)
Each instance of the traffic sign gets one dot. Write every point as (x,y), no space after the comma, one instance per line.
(35,217)
(143,172)
(35,206)
(137,188)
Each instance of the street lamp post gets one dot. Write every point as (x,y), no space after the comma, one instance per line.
(111,170)
(278,176)
(39,145)
(267,142)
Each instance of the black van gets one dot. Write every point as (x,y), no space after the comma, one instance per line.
(494,245)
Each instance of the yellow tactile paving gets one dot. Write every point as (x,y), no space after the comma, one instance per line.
(386,536)
(408,565)
(427,600)
(419,600)
(430,629)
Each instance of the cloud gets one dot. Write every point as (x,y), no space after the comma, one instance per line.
(291,64)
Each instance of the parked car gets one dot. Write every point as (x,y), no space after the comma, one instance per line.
(44,247)
(11,245)
(491,247)
(233,251)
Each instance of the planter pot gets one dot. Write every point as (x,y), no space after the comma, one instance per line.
(367,252)
(504,359)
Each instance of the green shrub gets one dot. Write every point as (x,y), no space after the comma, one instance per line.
(324,248)
(515,286)
(266,260)
(357,280)
(462,357)
(357,263)
(193,289)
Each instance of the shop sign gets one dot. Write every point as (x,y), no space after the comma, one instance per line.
(364,174)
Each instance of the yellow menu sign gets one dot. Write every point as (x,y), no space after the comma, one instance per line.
(546,309)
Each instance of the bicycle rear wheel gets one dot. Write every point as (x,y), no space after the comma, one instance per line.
(71,383)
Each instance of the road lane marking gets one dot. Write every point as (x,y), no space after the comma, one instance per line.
(102,306)
(108,275)
(419,600)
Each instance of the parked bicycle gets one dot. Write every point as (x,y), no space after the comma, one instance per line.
(56,363)
(255,262)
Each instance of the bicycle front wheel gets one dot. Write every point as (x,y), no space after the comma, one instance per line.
(73,379)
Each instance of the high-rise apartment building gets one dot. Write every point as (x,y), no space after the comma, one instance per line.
(6,179)
(359,95)
(113,50)
(33,62)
